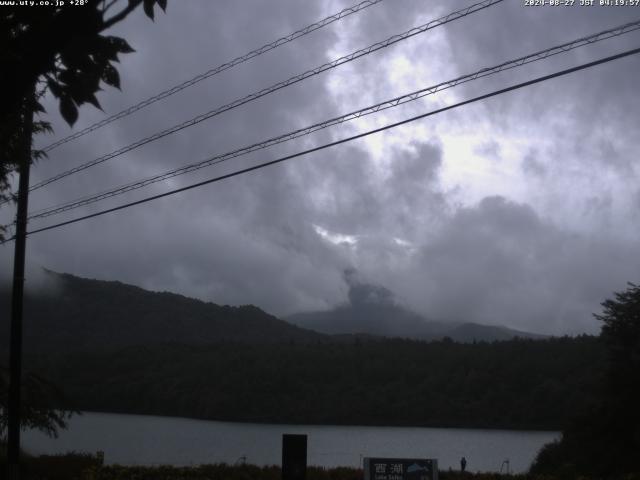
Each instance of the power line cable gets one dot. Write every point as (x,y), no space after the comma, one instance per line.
(530,58)
(338,142)
(214,71)
(261,93)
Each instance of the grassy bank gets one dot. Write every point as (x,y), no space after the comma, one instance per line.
(71,466)
(79,466)
(250,472)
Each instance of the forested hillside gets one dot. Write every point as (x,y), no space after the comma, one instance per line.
(71,313)
(517,384)
(118,348)
(74,313)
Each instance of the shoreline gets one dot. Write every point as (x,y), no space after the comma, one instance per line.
(328,425)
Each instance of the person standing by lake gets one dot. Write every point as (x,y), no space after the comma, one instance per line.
(463,464)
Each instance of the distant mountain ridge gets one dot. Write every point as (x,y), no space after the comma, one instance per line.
(372,310)
(113,347)
(78,314)
(82,314)
(399,323)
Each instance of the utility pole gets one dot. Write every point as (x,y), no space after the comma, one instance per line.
(15,346)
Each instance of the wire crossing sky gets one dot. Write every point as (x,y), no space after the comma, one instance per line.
(214,71)
(524,206)
(339,142)
(518,62)
(456,15)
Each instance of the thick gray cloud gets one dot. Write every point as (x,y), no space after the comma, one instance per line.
(519,210)
(499,262)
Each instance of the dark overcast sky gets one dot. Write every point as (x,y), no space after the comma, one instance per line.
(522,210)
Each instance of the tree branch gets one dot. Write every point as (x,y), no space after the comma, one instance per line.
(108,6)
(122,15)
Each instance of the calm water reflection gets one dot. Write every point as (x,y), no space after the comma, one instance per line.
(148,440)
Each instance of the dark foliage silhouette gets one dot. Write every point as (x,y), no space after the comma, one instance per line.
(59,49)
(606,441)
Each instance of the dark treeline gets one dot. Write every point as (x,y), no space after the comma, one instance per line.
(605,441)
(519,384)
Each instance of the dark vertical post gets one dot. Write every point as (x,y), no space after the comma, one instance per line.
(15,346)
(294,457)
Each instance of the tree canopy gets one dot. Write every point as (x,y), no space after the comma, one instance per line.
(621,334)
(62,50)
(606,441)
(37,413)
(523,384)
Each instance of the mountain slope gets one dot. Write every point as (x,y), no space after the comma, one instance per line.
(383,320)
(82,314)
(372,310)
(469,332)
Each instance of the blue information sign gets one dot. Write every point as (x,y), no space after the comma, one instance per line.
(400,469)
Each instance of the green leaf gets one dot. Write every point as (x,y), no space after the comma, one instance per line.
(68,110)
(82,85)
(37,107)
(75,57)
(91,98)
(67,76)
(148,8)
(108,49)
(54,87)
(110,76)
(163,5)
(121,45)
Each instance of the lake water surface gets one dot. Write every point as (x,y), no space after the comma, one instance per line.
(148,440)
